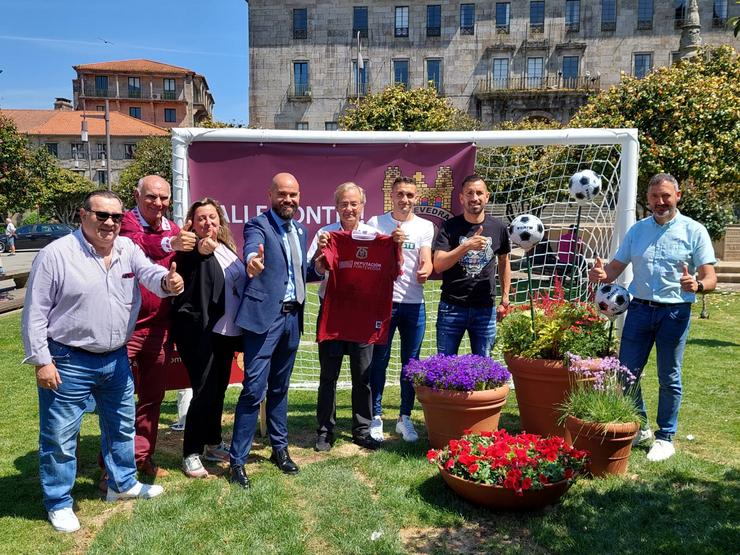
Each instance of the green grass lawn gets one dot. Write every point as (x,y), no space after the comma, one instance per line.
(392,501)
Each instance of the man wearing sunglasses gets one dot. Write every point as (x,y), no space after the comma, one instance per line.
(80,309)
(148,227)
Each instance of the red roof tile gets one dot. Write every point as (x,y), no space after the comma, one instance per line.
(134,66)
(69,123)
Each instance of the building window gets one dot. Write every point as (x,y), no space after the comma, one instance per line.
(168,92)
(434,74)
(331,126)
(128,151)
(101,151)
(300,79)
(401,73)
(301,126)
(134,112)
(134,87)
(100,108)
(434,20)
(101,177)
(608,15)
(402,21)
(359,22)
(645,14)
(52,148)
(101,85)
(360,77)
(643,64)
(679,13)
(534,72)
(500,73)
(537,17)
(572,15)
(570,71)
(78,151)
(300,23)
(170,115)
(467,19)
(719,13)
(503,13)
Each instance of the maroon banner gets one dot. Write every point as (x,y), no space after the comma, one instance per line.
(238,175)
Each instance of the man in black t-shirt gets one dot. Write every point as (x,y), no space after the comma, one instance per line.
(464,252)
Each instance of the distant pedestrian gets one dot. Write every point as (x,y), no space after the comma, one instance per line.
(10,233)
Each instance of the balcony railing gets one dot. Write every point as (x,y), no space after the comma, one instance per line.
(529,83)
(502,29)
(644,24)
(300,92)
(572,27)
(608,25)
(434,31)
(125,92)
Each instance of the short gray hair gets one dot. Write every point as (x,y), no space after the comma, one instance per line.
(659,178)
(344,187)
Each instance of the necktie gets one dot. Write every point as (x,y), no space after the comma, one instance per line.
(295,258)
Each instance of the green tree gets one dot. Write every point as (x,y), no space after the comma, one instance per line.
(153,156)
(17,187)
(399,109)
(687,118)
(62,190)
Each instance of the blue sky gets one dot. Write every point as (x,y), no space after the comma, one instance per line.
(40,41)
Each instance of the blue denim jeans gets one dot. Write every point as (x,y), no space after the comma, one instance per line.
(108,379)
(667,327)
(410,319)
(453,321)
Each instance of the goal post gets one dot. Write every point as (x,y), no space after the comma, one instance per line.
(526,171)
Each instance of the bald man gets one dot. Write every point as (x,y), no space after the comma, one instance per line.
(148,227)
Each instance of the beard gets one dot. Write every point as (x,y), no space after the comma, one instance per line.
(285,211)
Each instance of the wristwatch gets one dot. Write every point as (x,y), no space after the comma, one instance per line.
(699,286)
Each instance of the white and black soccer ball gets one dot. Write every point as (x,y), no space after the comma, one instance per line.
(584,186)
(612,299)
(526,231)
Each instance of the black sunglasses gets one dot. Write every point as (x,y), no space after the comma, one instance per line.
(103,216)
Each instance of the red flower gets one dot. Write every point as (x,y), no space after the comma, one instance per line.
(449,464)
(431,455)
(526,483)
(544,479)
(568,473)
(473,468)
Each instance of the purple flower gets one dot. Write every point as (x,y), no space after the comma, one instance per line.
(457,372)
(605,371)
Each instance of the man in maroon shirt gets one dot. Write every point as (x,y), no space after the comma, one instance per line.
(159,238)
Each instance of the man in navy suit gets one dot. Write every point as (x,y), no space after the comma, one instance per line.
(271,314)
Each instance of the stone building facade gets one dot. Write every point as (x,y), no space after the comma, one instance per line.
(495,60)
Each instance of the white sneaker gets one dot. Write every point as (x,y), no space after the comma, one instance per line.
(406,428)
(64,520)
(376,428)
(217,453)
(642,436)
(139,491)
(661,450)
(193,468)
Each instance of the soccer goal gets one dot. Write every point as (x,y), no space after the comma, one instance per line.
(527,172)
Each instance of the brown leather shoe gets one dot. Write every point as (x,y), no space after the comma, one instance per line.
(103,482)
(149,468)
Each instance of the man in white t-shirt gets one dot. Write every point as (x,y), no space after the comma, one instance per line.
(409,315)
(10,234)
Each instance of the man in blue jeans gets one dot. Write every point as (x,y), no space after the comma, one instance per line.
(467,250)
(672,259)
(409,314)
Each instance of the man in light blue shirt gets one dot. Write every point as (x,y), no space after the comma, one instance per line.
(672,259)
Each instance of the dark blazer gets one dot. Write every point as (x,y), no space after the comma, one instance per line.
(263,295)
(202,303)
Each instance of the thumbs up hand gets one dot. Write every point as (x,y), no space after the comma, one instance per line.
(256,263)
(597,273)
(398,235)
(208,244)
(185,240)
(478,241)
(172,281)
(688,283)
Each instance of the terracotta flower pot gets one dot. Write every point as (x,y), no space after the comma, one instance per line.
(499,497)
(610,449)
(540,386)
(448,413)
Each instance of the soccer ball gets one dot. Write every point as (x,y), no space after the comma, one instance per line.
(584,186)
(526,231)
(612,299)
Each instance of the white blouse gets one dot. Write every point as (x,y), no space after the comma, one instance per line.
(235,277)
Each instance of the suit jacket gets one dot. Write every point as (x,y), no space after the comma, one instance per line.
(263,295)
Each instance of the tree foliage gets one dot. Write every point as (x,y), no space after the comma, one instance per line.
(687,117)
(153,156)
(16,179)
(62,190)
(399,109)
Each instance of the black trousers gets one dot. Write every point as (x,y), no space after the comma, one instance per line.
(331,354)
(209,366)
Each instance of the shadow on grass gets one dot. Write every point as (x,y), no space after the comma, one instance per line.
(21,493)
(711,343)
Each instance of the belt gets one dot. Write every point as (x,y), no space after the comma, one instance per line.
(81,350)
(654,304)
(290,306)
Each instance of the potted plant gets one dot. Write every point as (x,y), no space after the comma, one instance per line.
(600,414)
(499,470)
(535,342)
(458,392)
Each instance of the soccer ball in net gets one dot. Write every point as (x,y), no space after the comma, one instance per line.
(612,299)
(584,186)
(526,231)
